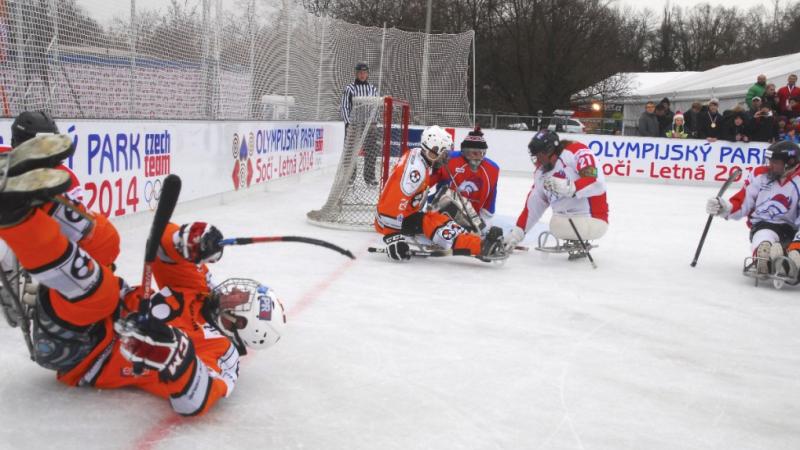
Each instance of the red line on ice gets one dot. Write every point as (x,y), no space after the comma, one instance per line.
(164,427)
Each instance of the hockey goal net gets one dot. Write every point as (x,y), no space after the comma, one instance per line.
(375,139)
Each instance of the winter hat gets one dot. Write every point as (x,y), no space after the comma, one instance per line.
(678,115)
(474,140)
(714,100)
(755,98)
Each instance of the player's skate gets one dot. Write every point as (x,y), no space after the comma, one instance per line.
(39,152)
(19,194)
(770,263)
(548,243)
(492,247)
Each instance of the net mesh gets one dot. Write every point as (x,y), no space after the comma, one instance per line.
(214,59)
(374,140)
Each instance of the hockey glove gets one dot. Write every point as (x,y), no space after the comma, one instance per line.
(718,206)
(199,242)
(397,248)
(561,187)
(149,341)
(515,237)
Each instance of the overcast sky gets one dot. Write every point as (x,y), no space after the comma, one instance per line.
(104,10)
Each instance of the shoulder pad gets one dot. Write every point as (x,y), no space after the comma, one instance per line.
(414,173)
(760,170)
(575,147)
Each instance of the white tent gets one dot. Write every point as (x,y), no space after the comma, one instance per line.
(728,83)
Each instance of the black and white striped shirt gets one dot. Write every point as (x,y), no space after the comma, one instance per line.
(355,89)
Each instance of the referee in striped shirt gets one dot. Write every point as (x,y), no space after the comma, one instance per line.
(360,87)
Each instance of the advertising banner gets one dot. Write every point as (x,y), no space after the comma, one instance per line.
(685,161)
(121,164)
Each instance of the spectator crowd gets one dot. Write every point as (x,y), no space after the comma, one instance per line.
(767,114)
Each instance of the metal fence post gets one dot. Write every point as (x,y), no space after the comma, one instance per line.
(132,72)
(288,52)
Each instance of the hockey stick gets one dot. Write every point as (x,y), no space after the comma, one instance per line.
(734,173)
(16,299)
(166,205)
(170,191)
(466,207)
(426,253)
(304,240)
(583,244)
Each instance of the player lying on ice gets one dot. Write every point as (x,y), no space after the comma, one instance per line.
(400,217)
(466,184)
(567,179)
(769,200)
(91,230)
(94,330)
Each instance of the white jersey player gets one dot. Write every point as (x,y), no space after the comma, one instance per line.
(568,180)
(769,201)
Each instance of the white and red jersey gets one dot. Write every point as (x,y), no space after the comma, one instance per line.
(577,164)
(765,200)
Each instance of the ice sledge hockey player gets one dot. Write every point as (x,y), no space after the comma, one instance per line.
(769,200)
(91,230)
(567,178)
(89,326)
(206,308)
(399,211)
(474,177)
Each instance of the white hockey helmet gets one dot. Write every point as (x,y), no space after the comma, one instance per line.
(435,143)
(259,321)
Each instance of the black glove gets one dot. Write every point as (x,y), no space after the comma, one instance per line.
(396,247)
(148,341)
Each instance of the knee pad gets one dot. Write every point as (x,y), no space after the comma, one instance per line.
(73,224)
(57,345)
(445,235)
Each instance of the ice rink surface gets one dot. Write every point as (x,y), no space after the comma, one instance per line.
(452,353)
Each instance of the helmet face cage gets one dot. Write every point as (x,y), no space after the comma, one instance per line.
(786,152)
(474,156)
(256,322)
(543,146)
(436,143)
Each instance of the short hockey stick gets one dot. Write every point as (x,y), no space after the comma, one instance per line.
(474,218)
(16,298)
(583,244)
(301,239)
(734,173)
(426,253)
(170,191)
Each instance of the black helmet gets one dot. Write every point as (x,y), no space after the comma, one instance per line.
(362,66)
(30,123)
(547,142)
(782,151)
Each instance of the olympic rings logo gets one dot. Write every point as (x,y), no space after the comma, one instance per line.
(152,192)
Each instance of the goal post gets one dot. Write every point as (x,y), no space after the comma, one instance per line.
(374,140)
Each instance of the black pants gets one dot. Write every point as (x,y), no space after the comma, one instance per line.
(784,231)
(372,148)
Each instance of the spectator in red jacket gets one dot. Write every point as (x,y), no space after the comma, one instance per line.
(787,92)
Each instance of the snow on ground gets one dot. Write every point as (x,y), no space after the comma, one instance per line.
(542,353)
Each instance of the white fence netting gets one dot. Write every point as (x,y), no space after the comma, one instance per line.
(214,59)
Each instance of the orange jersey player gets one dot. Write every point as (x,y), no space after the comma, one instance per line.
(399,211)
(92,231)
(93,330)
